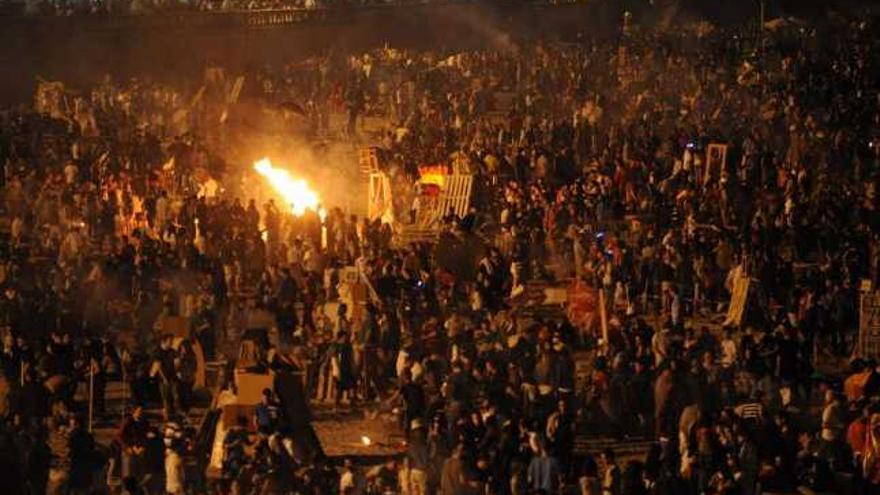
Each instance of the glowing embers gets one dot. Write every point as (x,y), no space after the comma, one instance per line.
(295,191)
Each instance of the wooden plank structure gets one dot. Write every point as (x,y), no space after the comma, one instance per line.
(453,196)
(381,202)
(456,196)
(368,160)
(251,385)
(178,326)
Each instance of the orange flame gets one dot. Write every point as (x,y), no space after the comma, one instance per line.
(294,191)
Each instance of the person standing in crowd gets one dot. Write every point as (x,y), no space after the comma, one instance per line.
(174,441)
(342,369)
(706,216)
(133,441)
(544,472)
(418,458)
(611,477)
(164,369)
(452,479)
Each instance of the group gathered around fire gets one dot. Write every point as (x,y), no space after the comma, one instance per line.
(657,170)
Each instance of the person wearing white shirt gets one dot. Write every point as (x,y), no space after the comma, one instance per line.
(351,482)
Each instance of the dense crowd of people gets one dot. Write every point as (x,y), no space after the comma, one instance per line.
(63,8)
(69,8)
(657,168)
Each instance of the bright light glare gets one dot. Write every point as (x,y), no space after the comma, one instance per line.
(294,191)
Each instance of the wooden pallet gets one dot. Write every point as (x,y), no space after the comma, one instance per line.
(457,196)
(368,161)
(413,234)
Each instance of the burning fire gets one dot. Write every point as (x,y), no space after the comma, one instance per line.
(294,191)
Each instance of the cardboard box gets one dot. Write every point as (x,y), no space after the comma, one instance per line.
(250,386)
